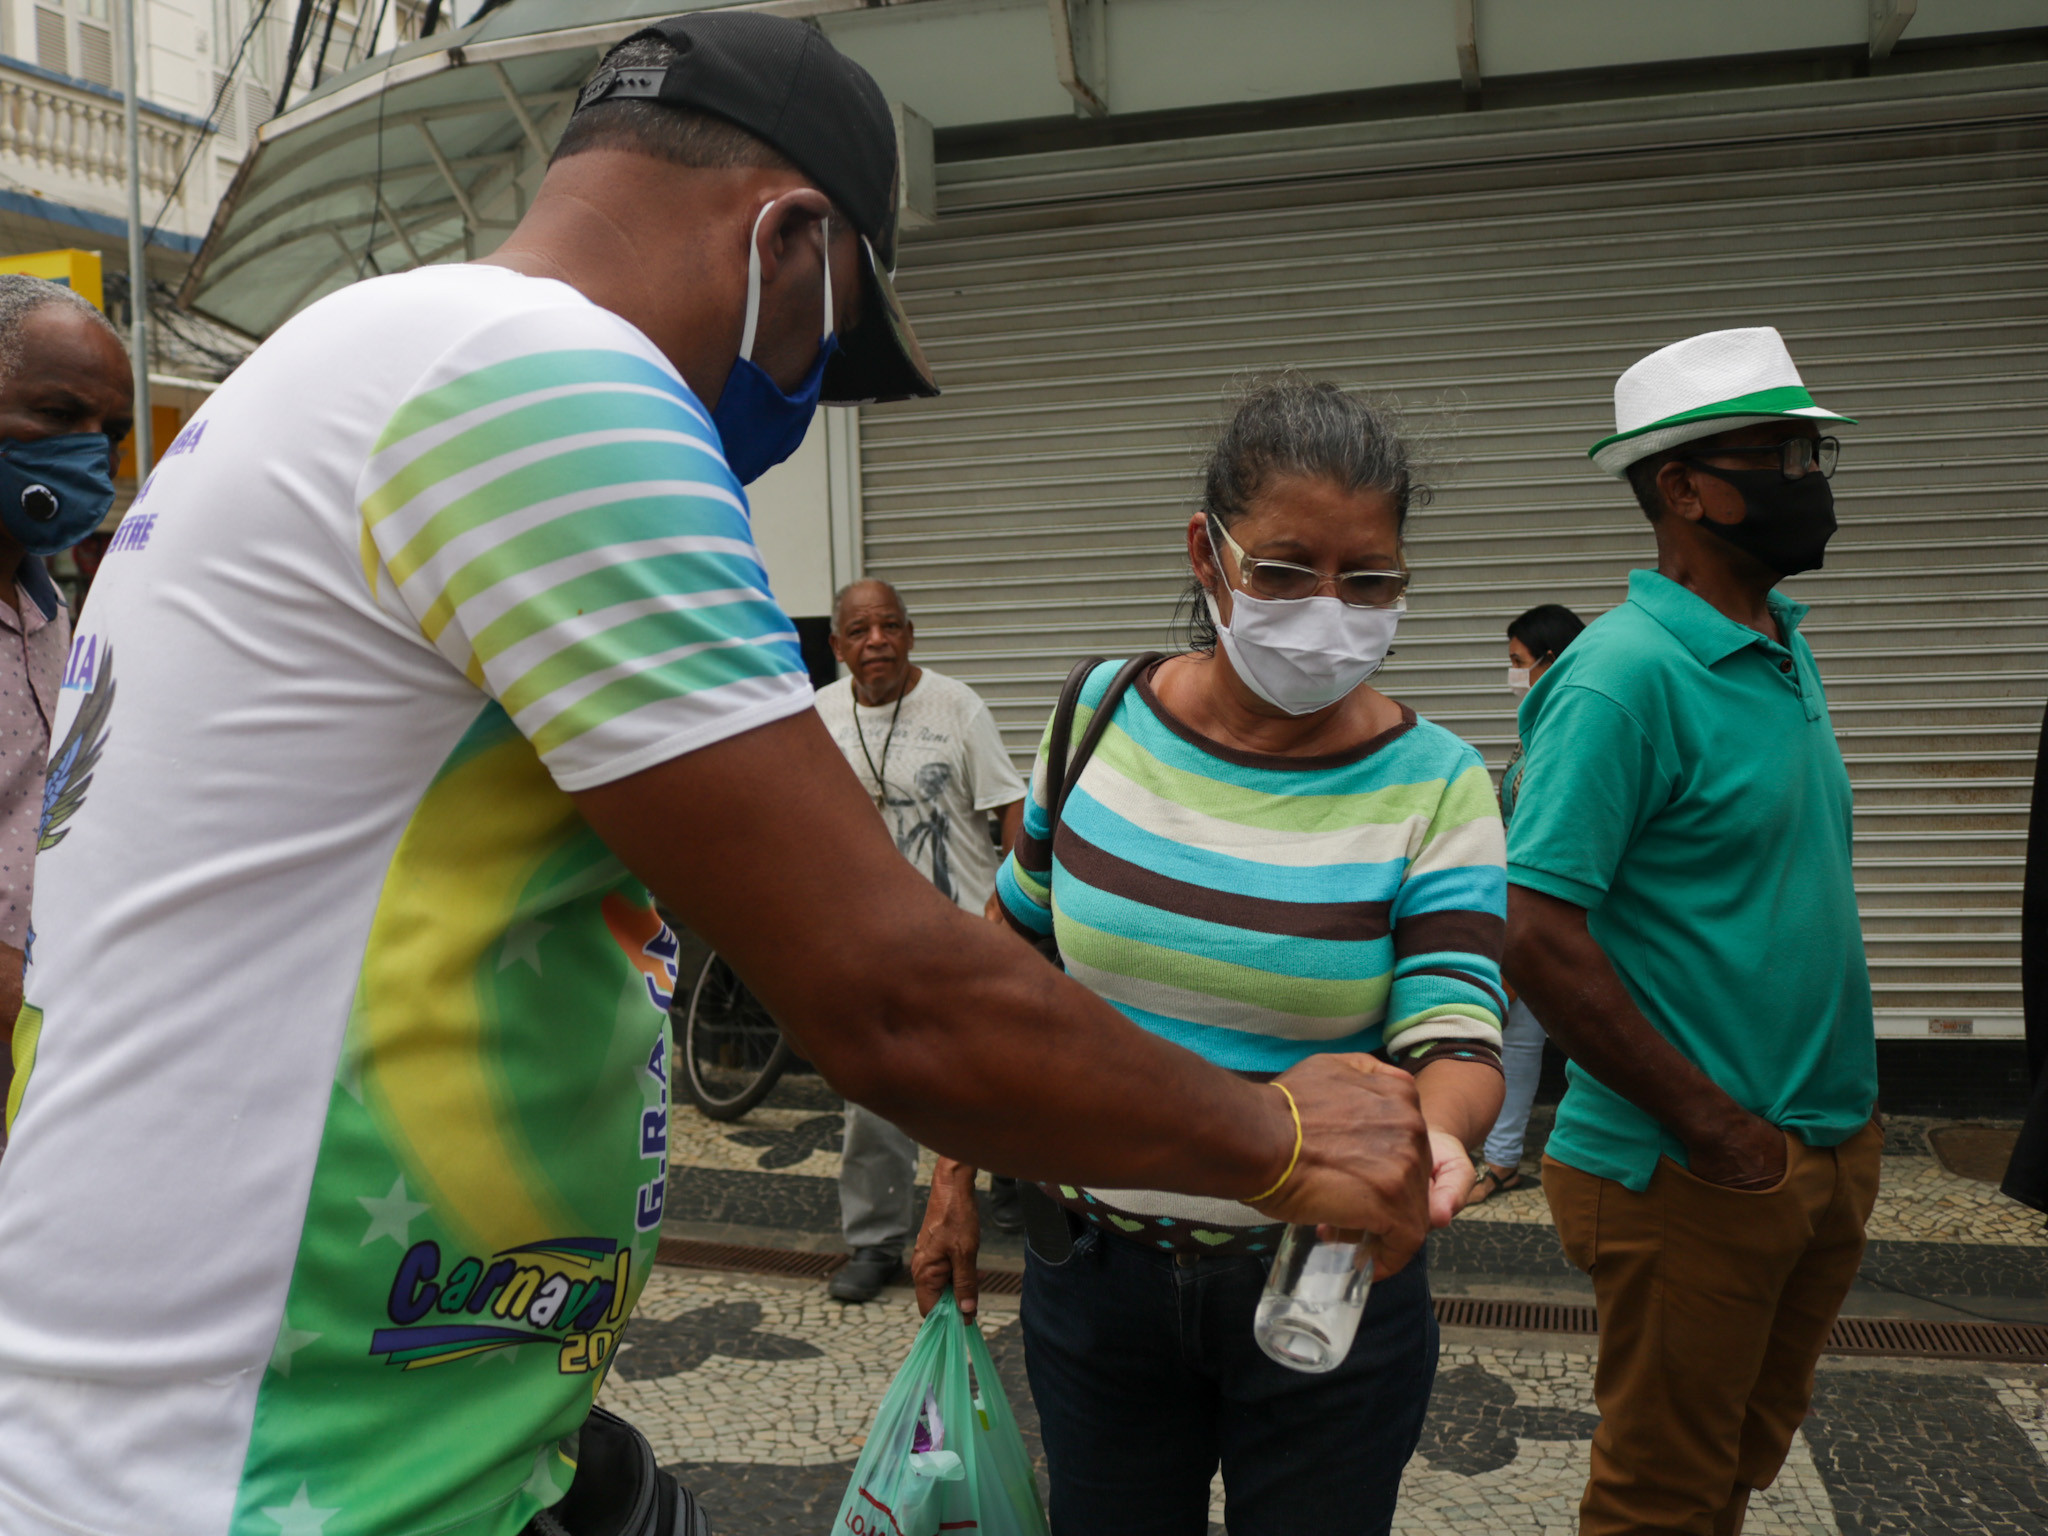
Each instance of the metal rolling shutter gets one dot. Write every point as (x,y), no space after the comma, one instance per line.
(1087,311)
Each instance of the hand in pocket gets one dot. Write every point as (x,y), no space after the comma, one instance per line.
(1753,1158)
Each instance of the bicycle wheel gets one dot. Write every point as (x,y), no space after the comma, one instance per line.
(732,1050)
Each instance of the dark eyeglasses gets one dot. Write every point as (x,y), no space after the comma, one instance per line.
(1284,581)
(1796,456)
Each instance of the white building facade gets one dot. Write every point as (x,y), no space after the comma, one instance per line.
(210,73)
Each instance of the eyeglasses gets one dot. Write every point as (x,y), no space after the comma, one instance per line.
(1796,456)
(1284,581)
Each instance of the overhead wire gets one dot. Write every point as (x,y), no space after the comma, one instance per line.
(176,323)
(302,29)
(227,83)
(353,52)
(376,195)
(377,27)
(326,37)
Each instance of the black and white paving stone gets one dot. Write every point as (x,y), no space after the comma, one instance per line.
(758,1392)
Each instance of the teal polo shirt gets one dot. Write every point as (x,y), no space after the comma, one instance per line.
(1681,782)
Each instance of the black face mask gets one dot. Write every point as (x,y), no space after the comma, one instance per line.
(1786,523)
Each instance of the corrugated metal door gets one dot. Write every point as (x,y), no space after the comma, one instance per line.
(1087,312)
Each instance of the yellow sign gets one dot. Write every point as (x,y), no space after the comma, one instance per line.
(77,270)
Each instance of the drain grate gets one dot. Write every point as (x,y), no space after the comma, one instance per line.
(1522,1316)
(739,1258)
(1939,1341)
(690,1254)
(1894,1336)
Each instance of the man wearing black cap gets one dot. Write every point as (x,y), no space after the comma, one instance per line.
(341,1113)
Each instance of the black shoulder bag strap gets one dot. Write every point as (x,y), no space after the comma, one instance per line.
(1065,758)
(1062,734)
(1061,772)
(1048,1228)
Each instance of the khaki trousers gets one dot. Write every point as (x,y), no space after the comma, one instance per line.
(1714,1305)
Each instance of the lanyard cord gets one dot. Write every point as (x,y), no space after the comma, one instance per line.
(881,783)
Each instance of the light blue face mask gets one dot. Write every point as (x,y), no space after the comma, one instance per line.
(55,490)
(759,424)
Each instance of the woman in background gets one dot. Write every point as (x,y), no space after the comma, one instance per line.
(1535,640)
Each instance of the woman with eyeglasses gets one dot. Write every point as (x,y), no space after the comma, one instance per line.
(1264,858)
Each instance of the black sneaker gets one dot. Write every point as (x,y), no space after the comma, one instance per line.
(1005,1209)
(863,1276)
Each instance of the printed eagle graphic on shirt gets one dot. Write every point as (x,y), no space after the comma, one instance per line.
(71,765)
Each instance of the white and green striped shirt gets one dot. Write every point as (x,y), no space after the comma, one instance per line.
(552,506)
(339,1144)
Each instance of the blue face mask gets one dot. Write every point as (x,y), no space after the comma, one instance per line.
(55,490)
(759,424)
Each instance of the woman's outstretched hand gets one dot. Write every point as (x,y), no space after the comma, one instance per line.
(1450,1177)
(949,1242)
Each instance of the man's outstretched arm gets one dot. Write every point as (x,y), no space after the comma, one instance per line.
(947,1026)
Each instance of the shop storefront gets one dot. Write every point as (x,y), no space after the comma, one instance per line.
(1089,310)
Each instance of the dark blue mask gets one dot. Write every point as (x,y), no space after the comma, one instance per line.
(759,425)
(55,490)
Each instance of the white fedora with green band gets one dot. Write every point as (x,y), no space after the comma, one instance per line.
(1700,386)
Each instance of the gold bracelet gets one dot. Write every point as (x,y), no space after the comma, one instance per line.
(1293,1109)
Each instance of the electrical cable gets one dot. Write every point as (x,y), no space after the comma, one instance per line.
(199,139)
(302,28)
(350,54)
(326,37)
(377,27)
(376,191)
(179,325)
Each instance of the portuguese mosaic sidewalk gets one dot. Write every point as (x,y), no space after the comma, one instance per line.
(757,1390)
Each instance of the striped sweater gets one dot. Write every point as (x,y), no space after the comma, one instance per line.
(1260,909)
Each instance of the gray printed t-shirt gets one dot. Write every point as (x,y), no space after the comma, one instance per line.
(945,771)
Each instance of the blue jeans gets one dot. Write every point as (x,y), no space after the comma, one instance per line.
(1521,1058)
(1146,1377)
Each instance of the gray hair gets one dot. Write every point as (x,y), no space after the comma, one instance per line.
(1286,425)
(839,598)
(22,296)
(1290,426)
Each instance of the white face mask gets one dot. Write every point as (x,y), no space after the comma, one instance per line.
(1518,681)
(1304,655)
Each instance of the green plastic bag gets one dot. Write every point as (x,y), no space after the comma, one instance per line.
(944,1453)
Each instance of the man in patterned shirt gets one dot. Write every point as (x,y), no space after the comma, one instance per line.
(341,1104)
(63,372)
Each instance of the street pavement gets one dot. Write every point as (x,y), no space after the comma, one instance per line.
(757,1390)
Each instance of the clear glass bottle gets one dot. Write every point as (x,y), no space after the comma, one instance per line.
(1314,1297)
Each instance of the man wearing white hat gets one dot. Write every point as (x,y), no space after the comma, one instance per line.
(1681,914)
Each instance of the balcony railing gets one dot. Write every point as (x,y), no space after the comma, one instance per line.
(77,131)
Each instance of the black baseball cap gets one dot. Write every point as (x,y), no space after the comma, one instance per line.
(787,85)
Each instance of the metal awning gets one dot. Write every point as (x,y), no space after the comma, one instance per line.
(424,154)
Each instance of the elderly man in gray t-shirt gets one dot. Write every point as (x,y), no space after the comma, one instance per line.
(926,750)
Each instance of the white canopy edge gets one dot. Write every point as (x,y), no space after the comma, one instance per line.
(596,37)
